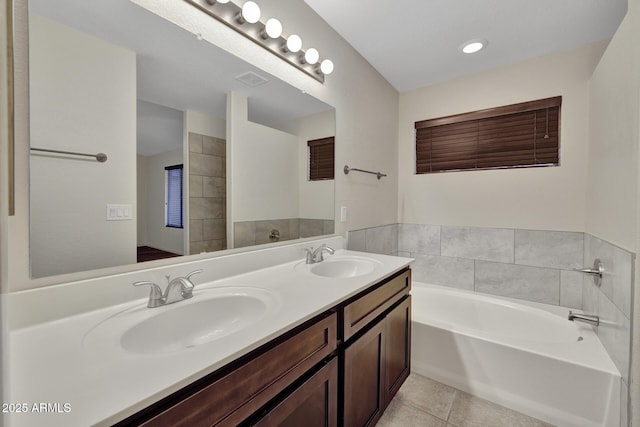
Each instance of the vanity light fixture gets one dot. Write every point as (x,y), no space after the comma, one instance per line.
(294,43)
(311,56)
(245,19)
(326,66)
(272,29)
(473,46)
(250,13)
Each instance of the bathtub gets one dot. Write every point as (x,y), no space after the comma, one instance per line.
(525,356)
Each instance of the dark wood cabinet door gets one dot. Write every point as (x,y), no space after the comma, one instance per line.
(313,404)
(364,362)
(398,348)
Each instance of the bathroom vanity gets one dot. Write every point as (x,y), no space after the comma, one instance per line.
(342,367)
(280,344)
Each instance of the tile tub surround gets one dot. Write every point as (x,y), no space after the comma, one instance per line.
(540,270)
(612,302)
(527,264)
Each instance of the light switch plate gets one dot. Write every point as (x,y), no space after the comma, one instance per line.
(343,214)
(119,212)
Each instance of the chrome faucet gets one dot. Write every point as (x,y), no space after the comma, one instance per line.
(178,289)
(316,256)
(591,319)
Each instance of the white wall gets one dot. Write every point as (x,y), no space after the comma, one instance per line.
(157,234)
(197,122)
(550,198)
(82,99)
(264,167)
(612,203)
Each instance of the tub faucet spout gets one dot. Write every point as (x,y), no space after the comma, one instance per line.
(591,319)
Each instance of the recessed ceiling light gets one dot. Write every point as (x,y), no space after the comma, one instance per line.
(473,46)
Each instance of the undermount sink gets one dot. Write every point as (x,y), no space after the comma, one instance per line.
(341,267)
(209,316)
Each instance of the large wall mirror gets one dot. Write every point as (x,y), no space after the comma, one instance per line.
(205,152)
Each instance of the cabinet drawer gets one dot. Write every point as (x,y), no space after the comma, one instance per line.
(363,310)
(232,398)
(313,404)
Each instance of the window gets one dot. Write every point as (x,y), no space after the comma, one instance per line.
(518,135)
(321,158)
(173,200)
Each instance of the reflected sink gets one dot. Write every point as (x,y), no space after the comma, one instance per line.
(341,267)
(207,317)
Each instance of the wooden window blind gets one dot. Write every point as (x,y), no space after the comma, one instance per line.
(518,135)
(321,158)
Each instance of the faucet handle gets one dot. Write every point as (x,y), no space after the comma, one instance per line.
(155,296)
(310,256)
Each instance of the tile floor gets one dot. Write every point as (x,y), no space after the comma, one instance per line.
(427,403)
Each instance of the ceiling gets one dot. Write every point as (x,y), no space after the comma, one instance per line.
(414,43)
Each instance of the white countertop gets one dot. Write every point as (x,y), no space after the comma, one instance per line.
(85,385)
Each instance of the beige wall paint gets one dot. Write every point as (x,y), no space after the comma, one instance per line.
(82,93)
(611,204)
(613,182)
(550,198)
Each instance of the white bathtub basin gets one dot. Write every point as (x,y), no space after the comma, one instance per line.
(527,357)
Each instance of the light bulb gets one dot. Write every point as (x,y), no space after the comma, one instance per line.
(212,2)
(251,12)
(326,66)
(273,28)
(311,56)
(294,43)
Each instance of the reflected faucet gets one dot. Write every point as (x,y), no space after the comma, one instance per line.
(317,255)
(591,319)
(178,289)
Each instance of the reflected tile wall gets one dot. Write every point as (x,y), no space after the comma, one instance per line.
(249,233)
(207,194)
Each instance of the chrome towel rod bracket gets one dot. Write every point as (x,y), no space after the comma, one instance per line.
(101,157)
(347,169)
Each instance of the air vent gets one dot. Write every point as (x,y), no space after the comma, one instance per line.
(251,79)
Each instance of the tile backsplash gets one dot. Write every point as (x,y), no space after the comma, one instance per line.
(527,264)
